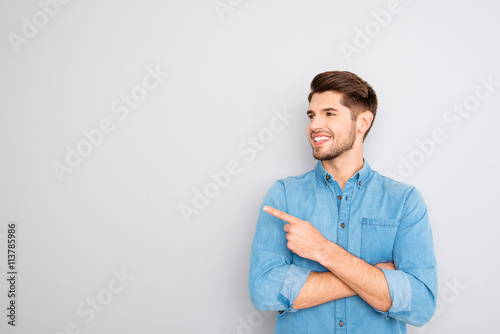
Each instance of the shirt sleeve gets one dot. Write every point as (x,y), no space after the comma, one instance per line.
(274,281)
(413,285)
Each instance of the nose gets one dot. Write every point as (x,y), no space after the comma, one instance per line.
(317,123)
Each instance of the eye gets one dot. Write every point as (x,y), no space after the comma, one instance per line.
(330,114)
(311,116)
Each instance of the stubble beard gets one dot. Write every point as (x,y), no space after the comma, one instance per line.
(337,149)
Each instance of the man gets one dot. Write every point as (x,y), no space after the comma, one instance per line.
(343,249)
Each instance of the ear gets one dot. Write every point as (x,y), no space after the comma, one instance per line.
(364,121)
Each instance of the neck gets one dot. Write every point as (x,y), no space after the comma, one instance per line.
(344,166)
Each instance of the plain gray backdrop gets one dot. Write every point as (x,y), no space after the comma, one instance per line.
(118,174)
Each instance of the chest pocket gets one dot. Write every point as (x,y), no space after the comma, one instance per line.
(377,239)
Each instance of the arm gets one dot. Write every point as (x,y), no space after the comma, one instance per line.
(321,288)
(274,281)
(413,286)
(324,287)
(365,280)
(362,278)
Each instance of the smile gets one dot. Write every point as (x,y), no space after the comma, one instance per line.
(321,139)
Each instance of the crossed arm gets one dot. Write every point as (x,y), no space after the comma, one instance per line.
(348,275)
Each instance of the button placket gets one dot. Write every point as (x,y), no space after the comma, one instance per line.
(342,240)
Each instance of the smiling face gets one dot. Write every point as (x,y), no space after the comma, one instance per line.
(331,129)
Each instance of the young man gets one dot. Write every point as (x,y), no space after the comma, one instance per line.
(343,249)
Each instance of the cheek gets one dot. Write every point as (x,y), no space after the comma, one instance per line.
(339,126)
(334,127)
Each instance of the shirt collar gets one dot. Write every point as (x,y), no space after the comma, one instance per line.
(360,176)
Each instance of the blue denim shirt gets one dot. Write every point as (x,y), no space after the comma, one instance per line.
(376,219)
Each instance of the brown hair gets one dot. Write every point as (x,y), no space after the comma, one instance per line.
(358,95)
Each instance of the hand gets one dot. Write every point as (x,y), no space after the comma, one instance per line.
(386,265)
(303,238)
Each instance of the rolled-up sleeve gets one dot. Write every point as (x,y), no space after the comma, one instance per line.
(274,281)
(400,291)
(413,285)
(294,281)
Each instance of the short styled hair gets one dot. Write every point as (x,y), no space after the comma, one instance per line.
(358,95)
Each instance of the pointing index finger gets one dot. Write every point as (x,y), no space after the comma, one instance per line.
(281,215)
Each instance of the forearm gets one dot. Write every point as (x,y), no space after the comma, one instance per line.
(364,279)
(321,288)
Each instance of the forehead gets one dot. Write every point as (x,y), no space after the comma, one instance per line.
(328,99)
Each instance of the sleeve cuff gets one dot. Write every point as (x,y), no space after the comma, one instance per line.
(400,291)
(294,281)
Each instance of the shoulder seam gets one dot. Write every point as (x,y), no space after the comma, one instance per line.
(406,199)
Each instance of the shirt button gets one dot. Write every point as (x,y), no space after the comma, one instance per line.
(359,182)
(326,183)
(342,225)
(339,197)
(341,323)
(328,177)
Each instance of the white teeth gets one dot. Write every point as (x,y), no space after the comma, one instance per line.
(317,139)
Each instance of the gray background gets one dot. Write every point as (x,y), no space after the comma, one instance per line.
(119,209)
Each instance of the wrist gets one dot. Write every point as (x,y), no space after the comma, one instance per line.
(326,253)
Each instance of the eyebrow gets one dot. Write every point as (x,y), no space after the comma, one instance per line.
(324,109)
